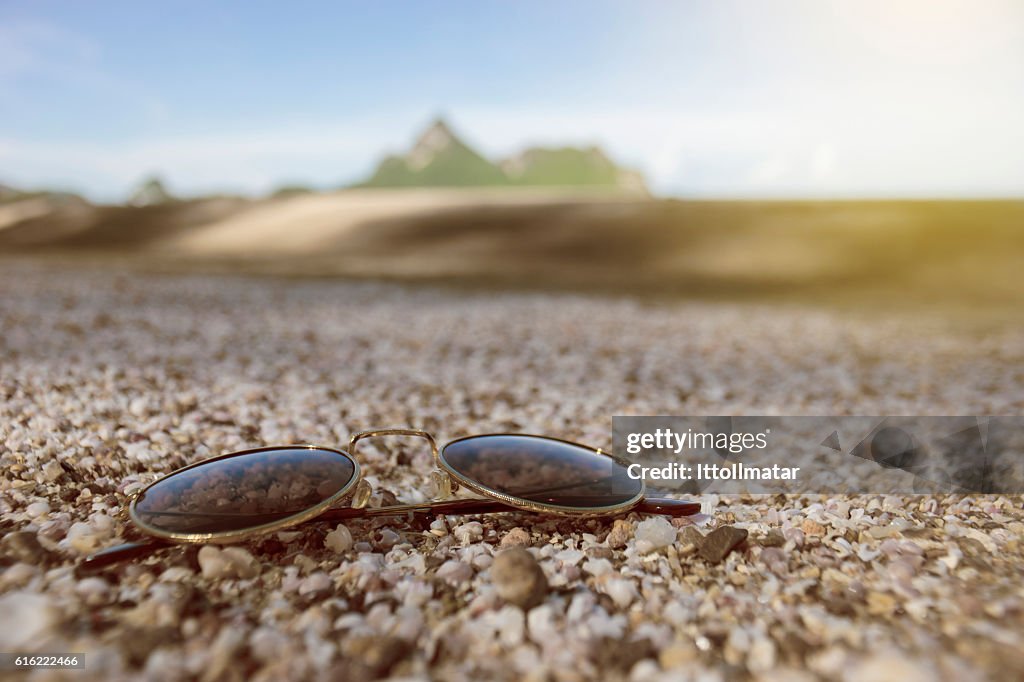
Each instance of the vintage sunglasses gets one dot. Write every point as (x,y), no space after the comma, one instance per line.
(239,495)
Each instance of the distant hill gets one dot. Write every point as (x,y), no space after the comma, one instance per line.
(10,194)
(440,159)
(568,166)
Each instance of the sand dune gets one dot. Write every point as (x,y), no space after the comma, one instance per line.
(26,209)
(882,251)
(304,225)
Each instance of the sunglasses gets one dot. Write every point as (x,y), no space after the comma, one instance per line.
(240,495)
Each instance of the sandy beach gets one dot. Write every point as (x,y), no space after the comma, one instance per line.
(110,380)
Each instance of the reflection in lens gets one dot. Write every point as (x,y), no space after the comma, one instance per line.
(244,491)
(542,470)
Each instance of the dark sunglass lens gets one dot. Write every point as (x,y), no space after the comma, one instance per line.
(244,491)
(542,470)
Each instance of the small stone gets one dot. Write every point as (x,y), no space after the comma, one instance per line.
(620,533)
(518,578)
(455,571)
(866,554)
(24,546)
(621,590)
(212,564)
(677,655)
(83,537)
(510,625)
(597,567)
(762,655)
(388,539)
(268,644)
(881,604)
(94,591)
(26,617)
(540,623)
(232,562)
(37,509)
(376,654)
(570,557)
(468,532)
(339,540)
(812,527)
(879,532)
(318,583)
(52,470)
(138,407)
(654,533)
(618,654)
(773,538)
(517,537)
(242,561)
(690,536)
(717,545)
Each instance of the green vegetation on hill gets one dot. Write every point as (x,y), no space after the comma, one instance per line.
(568,166)
(440,159)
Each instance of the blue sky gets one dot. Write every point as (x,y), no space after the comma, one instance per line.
(716,98)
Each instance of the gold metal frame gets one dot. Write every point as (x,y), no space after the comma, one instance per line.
(448,472)
(355,487)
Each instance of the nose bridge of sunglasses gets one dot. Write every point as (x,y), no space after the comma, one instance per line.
(442,483)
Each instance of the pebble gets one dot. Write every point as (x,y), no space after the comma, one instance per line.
(812,527)
(377,655)
(93,590)
(23,546)
(517,537)
(454,571)
(37,509)
(719,542)
(339,540)
(597,567)
(620,534)
(268,644)
(677,655)
(26,617)
(52,471)
(621,590)
(468,532)
(541,624)
(881,604)
(317,584)
(518,578)
(653,534)
(231,562)
(83,537)
(761,658)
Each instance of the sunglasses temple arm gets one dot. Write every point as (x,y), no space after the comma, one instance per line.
(667,506)
(129,550)
(650,505)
